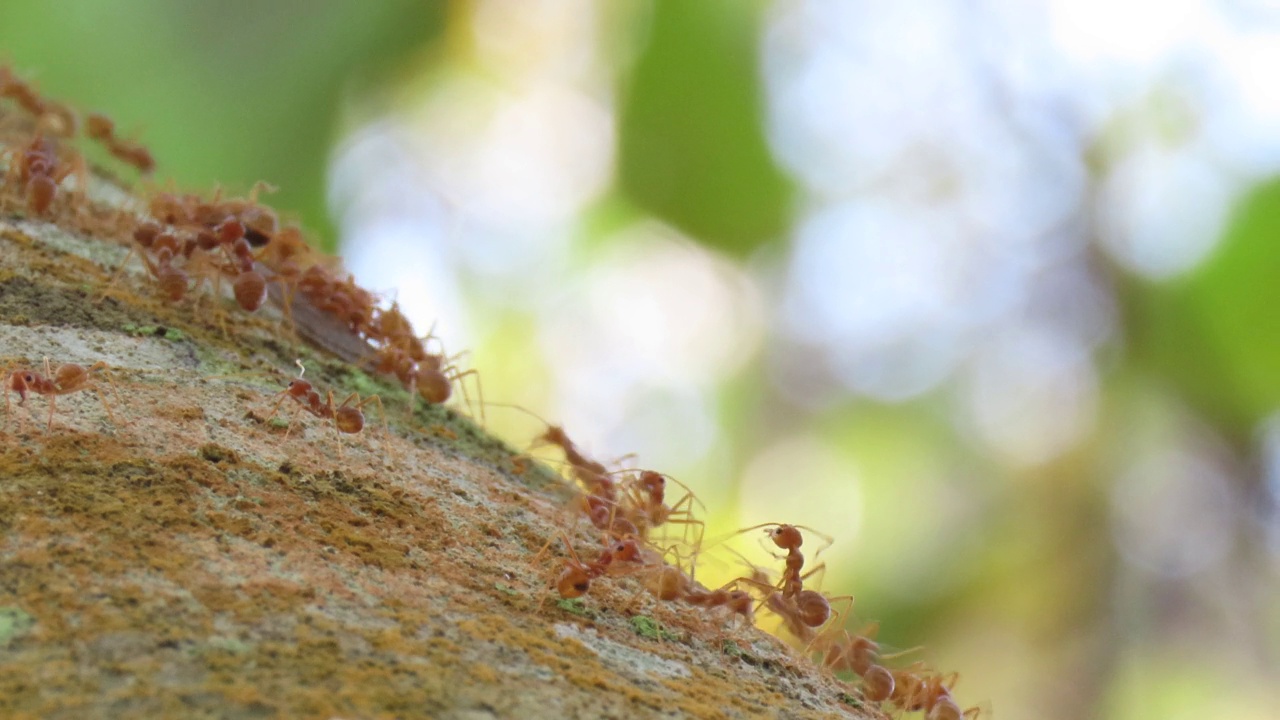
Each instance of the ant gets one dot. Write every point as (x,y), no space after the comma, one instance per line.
(856,652)
(435,376)
(347,418)
(649,503)
(803,612)
(789,538)
(52,115)
(595,477)
(738,601)
(917,689)
(173,281)
(947,709)
(592,473)
(575,580)
(66,379)
(103,129)
(41,173)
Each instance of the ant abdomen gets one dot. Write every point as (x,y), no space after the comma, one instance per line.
(349,420)
(877,683)
(41,190)
(433,386)
(173,282)
(250,290)
(814,610)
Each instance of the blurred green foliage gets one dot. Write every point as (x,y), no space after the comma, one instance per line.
(691,140)
(222,92)
(1215,334)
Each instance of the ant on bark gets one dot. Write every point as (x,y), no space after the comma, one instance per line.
(40,172)
(348,417)
(645,500)
(575,580)
(103,129)
(68,378)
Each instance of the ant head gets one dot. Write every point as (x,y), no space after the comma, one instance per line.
(625,550)
(652,481)
(739,601)
(555,435)
(786,537)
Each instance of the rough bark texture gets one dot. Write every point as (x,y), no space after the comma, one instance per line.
(195,558)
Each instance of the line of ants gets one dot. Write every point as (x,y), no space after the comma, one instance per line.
(628,506)
(187,242)
(347,416)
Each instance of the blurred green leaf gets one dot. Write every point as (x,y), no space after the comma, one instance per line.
(692,138)
(227,92)
(1216,334)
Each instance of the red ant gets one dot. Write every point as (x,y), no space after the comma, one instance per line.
(592,474)
(575,580)
(41,173)
(649,508)
(152,237)
(66,379)
(435,377)
(739,602)
(855,652)
(801,610)
(347,418)
(789,538)
(916,688)
(52,115)
(103,129)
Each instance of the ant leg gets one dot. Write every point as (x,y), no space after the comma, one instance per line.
(292,419)
(6,376)
(819,568)
(475,374)
(382,413)
(115,276)
(53,397)
(102,367)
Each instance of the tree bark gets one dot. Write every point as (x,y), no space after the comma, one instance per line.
(176,551)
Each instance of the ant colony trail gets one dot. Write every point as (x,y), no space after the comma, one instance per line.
(233,483)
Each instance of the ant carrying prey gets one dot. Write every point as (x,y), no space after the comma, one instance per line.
(347,416)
